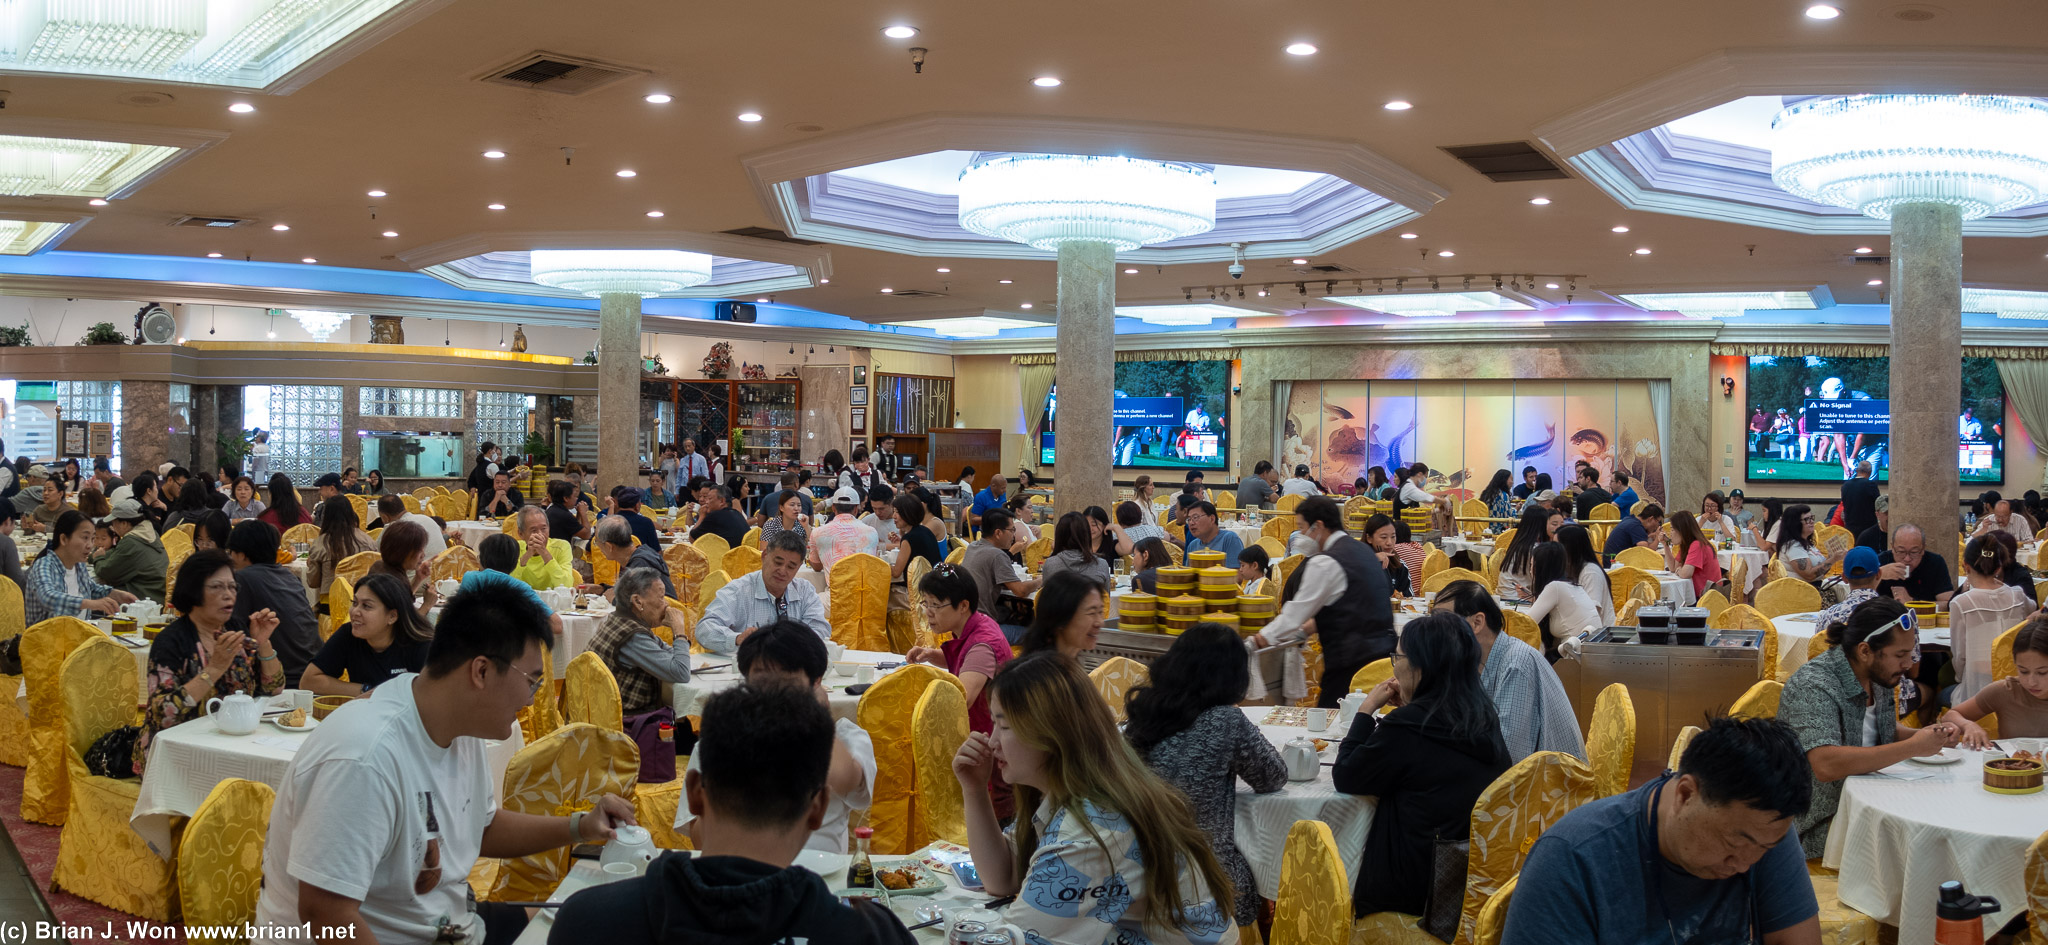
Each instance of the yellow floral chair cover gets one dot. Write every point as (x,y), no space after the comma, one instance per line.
(1522,628)
(45,787)
(356,565)
(1372,674)
(1275,548)
(220,860)
(1172,551)
(1640,557)
(1774,570)
(1714,601)
(1629,616)
(2002,663)
(1286,503)
(2037,888)
(1448,576)
(173,559)
(1493,917)
(741,561)
(603,570)
(1788,595)
(921,629)
(452,564)
(1036,553)
(1839,924)
(509,525)
(565,772)
(1678,746)
(1835,538)
(937,727)
(1224,500)
(1279,526)
(1611,742)
(412,503)
(13,724)
(1506,820)
(888,711)
(1738,578)
(959,554)
(1113,678)
(340,594)
(1314,905)
(362,507)
(545,714)
(752,539)
(1500,551)
(175,540)
(860,603)
(1606,513)
(306,532)
(1760,702)
(450,508)
(1433,563)
(686,569)
(1622,582)
(591,695)
(708,589)
(1312,668)
(1745,617)
(1473,509)
(424,493)
(713,548)
(1178,531)
(99,857)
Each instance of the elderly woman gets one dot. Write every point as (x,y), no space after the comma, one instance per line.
(642,664)
(500,553)
(263,584)
(341,535)
(59,583)
(137,562)
(208,652)
(384,637)
(544,562)
(403,555)
(615,541)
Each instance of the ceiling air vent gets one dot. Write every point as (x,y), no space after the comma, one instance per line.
(764,233)
(1509,161)
(553,72)
(215,222)
(1867,259)
(916,294)
(1326,268)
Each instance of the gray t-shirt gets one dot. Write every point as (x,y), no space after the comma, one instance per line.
(887,531)
(991,568)
(1254,491)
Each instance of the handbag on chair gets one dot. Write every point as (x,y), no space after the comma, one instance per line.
(657,757)
(1445,906)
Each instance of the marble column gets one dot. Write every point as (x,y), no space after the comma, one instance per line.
(1926,370)
(145,425)
(1085,350)
(618,391)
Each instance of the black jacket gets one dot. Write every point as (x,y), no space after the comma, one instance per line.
(721,900)
(1427,782)
(1859,505)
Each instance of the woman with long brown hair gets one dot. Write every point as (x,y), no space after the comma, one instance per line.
(1100,821)
(1692,555)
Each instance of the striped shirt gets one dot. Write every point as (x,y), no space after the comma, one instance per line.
(1535,714)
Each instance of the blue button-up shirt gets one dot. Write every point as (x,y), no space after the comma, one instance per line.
(1226,541)
(47,596)
(746,603)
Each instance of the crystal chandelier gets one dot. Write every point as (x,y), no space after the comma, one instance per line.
(317,323)
(642,272)
(130,35)
(1043,200)
(2007,303)
(1982,154)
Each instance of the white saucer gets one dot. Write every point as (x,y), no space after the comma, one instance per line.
(311,724)
(823,863)
(1944,758)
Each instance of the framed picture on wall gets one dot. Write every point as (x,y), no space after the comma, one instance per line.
(856,445)
(858,397)
(860,419)
(860,374)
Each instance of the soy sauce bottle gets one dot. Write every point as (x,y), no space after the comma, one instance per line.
(862,873)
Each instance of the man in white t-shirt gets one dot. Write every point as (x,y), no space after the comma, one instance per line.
(391,511)
(788,653)
(387,806)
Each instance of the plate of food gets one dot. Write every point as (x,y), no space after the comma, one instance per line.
(902,877)
(296,720)
(1946,756)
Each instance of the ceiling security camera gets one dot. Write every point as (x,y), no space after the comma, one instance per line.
(1237,270)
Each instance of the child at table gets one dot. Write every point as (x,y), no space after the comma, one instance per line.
(2020,700)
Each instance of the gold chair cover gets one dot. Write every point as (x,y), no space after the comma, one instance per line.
(1036,553)
(937,727)
(305,532)
(1522,628)
(99,857)
(1314,905)
(1760,702)
(1678,746)
(1448,576)
(1279,526)
(713,548)
(545,714)
(1372,674)
(655,806)
(1622,581)
(2002,662)
(1287,503)
(340,594)
(740,561)
(887,711)
(1839,924)
(1113,678)
(355,566)
(1641,558)
(1433,563)
(45,791)
(1714,601)
(1611,742)
(1787,596)
(220,860)
(590,694)
(362,507)
(860,603)
(1493,917)
(686,570)
(13,723)
(752,539)
(565,772)
(455,562)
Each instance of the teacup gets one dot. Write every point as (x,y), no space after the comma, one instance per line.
(447,587)
(1319,720)
(835,651)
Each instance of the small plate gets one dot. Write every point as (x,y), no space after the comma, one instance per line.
(927,883)
(311,724)
(1944,758)
(824,864)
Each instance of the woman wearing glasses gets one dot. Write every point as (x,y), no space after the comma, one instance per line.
(977,649)
(208,652)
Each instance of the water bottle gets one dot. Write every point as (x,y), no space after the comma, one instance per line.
(1959,916)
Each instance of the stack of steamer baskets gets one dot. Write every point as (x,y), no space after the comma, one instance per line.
(1179,608)
(1217,588)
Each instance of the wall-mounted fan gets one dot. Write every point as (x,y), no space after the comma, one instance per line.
(155,326)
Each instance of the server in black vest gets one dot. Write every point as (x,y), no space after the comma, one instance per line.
(1344,589)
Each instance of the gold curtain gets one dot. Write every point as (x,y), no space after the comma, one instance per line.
(1793,349)
(2026,383)
(1034,381)
(1203,354)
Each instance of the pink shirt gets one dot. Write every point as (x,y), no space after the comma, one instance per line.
(843,536)
(1706,568)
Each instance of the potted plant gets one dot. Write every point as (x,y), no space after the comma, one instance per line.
(234,447)
(537,450)
(103,333)
(15,336)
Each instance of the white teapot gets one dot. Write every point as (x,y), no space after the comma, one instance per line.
(1303,762)
(447,587)
(629,844)
(142,610)
(236,714)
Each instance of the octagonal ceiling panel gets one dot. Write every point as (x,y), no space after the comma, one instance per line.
(498,262)
(895,187)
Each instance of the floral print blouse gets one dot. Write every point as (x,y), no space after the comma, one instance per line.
(174,661)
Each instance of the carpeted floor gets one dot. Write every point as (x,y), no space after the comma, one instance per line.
(38,846)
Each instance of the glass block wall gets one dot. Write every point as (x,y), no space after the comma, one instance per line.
(305,431)
(409,402)
(93,402)
(501,419)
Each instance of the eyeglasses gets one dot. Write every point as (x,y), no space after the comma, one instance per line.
(532,682)
(1399,656)
(220,587)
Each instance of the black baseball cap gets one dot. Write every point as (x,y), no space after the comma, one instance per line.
(1735,493)
(330,479)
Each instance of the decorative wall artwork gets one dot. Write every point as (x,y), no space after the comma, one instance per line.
(860,420)
(860,374)
(858,397)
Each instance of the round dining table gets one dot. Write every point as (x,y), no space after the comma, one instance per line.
(1264,819)
(1903,831)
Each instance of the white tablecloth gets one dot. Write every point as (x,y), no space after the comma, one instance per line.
(1755,560)
(1896,841)
(474,533)
(1673,588)
(1248,534)
(2030,555)
(688,698)
(1795,634)
(1483,547)
(1264,819)
(577,629)
(186,761)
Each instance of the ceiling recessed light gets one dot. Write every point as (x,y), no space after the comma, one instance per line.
(1540,201)
(241,108)
(96,202)
(388,234)
(1130,272)
(270,334)
(1621,229)
(944,269)
(280,227)
(1550,285)
(376,193)
(1821,11)
(494,155)
(1301,49)
(1643,251)
(1046,81)
(1863,249)
(656,214)
(1397,106)
(887,291)
(750,116)
(899,32)
(1875,282)
(1299,262)
(824,281)
(494,206)
(213,255)
(1025,305)
(628,172)
(309,260)
(1445,253)
(1408,236)
(1002,282)
(761,301)
(659,99)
